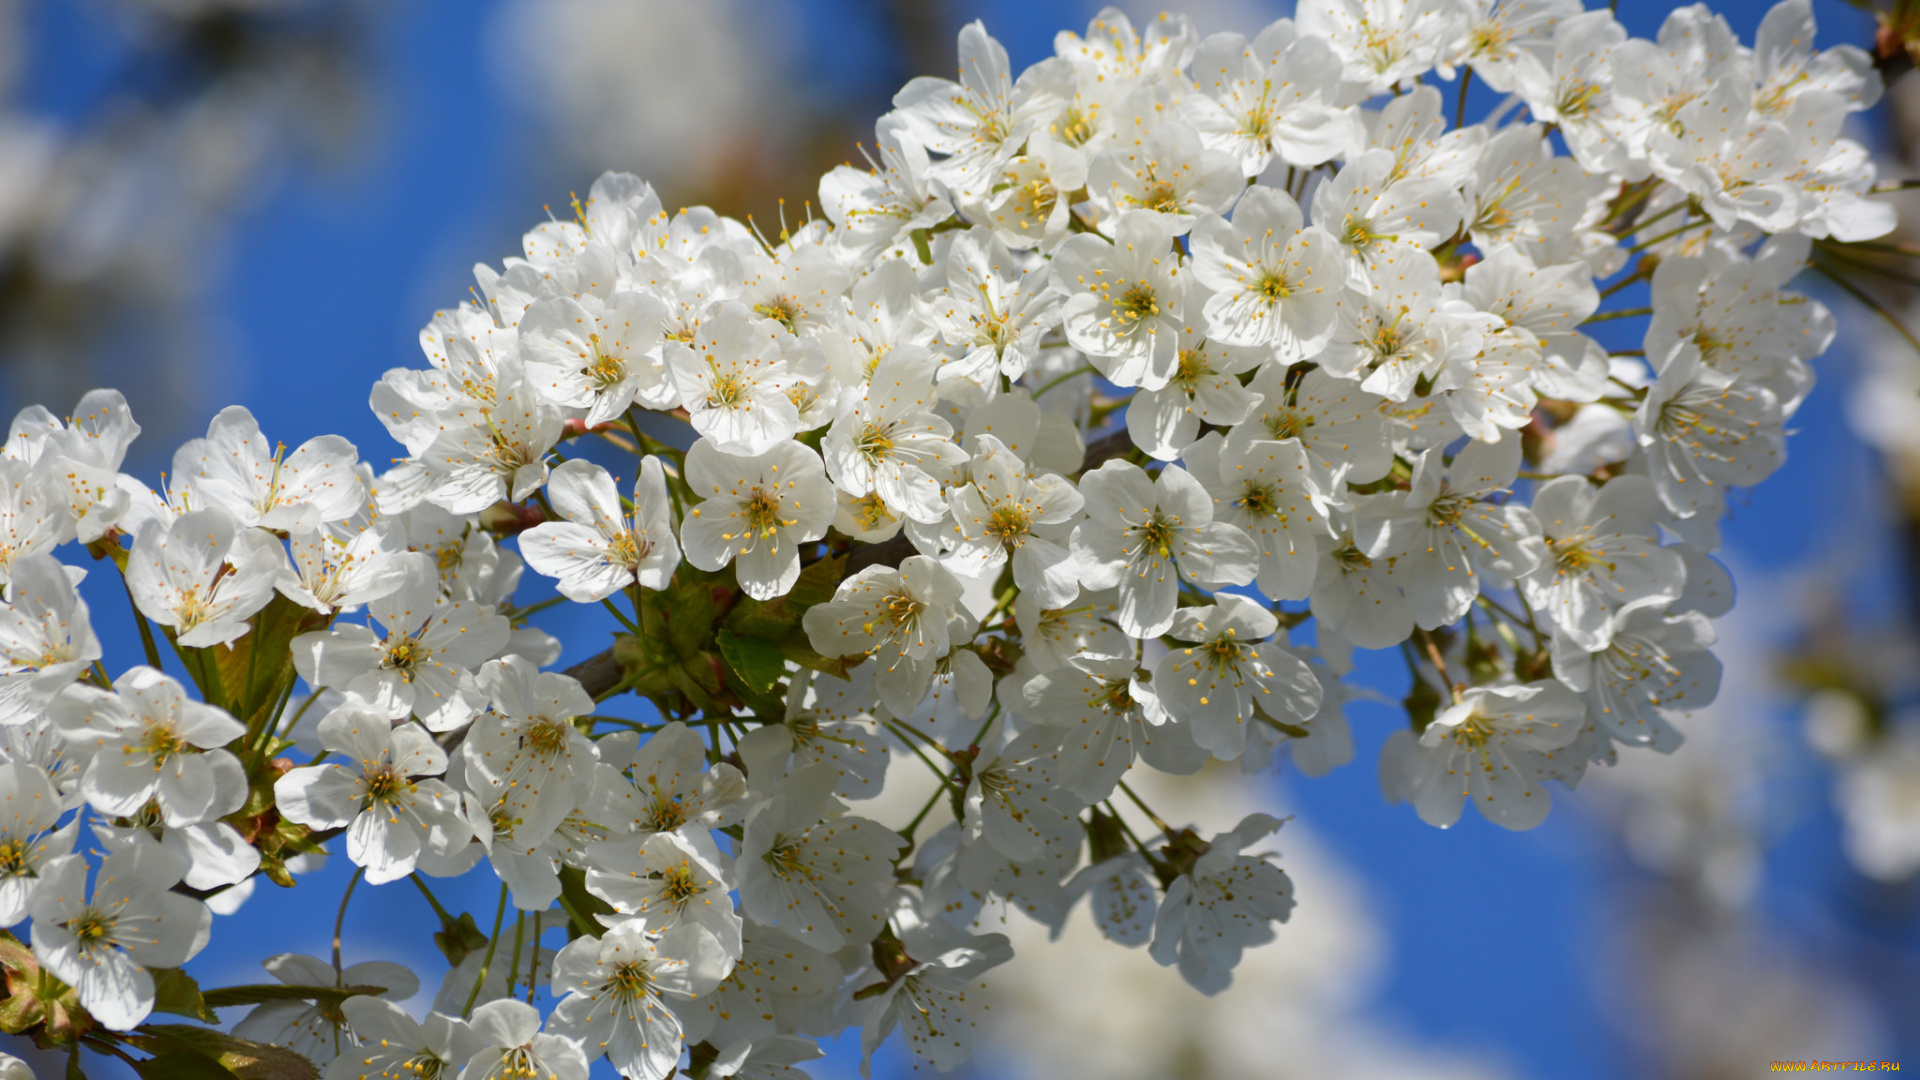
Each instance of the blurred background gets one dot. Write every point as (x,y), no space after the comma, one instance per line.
(208,202)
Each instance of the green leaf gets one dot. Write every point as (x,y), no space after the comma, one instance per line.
(230,1055)
(777,618)
(582,907)
(458,938)
(690,617)
(257,993)
(174,991)
(699,679)
(13,954)
(255,669)
(758,662)
(18,1012)
(1422,704)
(797,647)
(770,620)
(818,582)
(181,1065)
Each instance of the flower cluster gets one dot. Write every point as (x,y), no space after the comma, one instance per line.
(1027,459)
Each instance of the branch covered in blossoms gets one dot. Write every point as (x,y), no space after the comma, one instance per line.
(1088,432)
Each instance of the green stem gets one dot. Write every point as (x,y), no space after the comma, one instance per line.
(914,746)
(140,620)
(486,962)
(1623,313)
(586,926)
(620,615)
(533,961)
(1641,226)
(1145,809)
(1874,305)
(1839,254)
(446,918)
(1084,369)
(1668,235)
(513,966)
(1639,274)
(535,609)
(932,801)
(340,917)
(620,687)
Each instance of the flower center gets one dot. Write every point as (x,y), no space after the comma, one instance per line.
(628,550)
(1223,653)
(604,372)
(385,784)
(870,511)
(763,513)
(192,610)
(1273,285)
(1574,555)
(629,982)
(161,741)
(784,310)
(547,737)
(1137,303)
(1261,500)
(678,886)
(1577,101)
(1038,198)
(1192,366)
(520,1063)
(1351,558)
(448,557)
(1387,340)
(1009,523)
(901,609)
(1473,732)
(1114,697)
(55,654)
(1156,536)
(1359,234)
(873,444)
(666,814)
(90,926)
(1490,40)
(13,858)
(1288,423)
(423,1067)
(784,859)
(1445,512)
(1161,197)
(729,389)
(404,655)
(1074,127)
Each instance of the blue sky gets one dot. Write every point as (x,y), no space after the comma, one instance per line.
(331,274)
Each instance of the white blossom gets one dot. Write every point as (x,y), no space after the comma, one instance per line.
(46,638)
(1226,903)
(384,794)
(755,513)
(1232,677)
(103,941)
(148,740)
(601,549)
